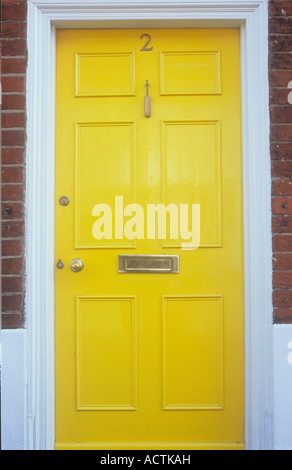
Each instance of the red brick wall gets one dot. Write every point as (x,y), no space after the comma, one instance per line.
(13,65)
(280,40)
(13,116)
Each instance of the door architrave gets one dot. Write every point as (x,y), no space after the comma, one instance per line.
(44,17)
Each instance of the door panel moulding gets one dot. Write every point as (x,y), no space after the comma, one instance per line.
(44,17)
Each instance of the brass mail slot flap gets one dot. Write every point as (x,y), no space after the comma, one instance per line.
(162,264)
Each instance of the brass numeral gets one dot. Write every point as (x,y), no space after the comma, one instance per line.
(145,48)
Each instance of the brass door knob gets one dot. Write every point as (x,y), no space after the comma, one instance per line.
(76,265)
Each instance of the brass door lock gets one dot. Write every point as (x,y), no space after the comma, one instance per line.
(60,264)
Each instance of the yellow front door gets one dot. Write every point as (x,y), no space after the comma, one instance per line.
(149,350)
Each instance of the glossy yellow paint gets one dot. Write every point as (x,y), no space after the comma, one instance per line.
(149,361)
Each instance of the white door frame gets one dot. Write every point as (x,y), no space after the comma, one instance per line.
(44,16)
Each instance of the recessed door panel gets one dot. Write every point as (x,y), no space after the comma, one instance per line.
(190,73)
(103,150)
(106,353)
(192,358)
(105,74)
(191,174)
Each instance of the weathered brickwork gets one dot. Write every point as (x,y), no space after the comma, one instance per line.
(13,65)
(280,64)
(13,137)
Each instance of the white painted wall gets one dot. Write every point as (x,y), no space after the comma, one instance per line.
(13,390)
(283,387)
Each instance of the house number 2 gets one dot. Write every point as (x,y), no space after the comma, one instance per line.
(145,48)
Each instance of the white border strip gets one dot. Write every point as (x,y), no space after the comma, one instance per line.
(43,17)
